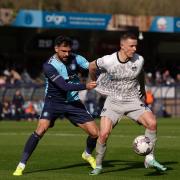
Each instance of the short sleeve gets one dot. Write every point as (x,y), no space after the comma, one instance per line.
(82,62)
(102,63)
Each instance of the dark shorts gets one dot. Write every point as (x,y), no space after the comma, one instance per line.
(74,111)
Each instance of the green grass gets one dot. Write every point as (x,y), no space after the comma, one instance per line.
(58,155)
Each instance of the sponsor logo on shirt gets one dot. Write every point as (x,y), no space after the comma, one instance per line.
(104,109)
(72,66)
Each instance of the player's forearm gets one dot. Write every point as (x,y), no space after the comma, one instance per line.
(92,71)
(93,76)
(66,86)
(74,87)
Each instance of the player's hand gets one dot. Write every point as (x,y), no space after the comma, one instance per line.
(91,85)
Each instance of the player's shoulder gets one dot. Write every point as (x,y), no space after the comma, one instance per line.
(108,59)
(79,57)
(50,60)
(110,56)
(48,65)
(81,61)
(138,57)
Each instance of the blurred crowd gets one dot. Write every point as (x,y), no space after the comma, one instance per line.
(162,78)
(11,77)
(19,109)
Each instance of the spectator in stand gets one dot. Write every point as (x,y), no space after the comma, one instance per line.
(18,102)
(75,45)
(178,78)
(6,110)
(167,79)
(7,76)
(16,77)
(149,79)
(30,112)
(26,77)
(149,98)
(158,78)
(2,80)
(13,77)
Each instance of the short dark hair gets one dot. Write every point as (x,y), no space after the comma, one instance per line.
(128,35)
(65,40)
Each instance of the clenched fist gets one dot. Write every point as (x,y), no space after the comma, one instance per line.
(91,85)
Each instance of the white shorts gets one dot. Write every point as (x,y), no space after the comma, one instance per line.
(114,109)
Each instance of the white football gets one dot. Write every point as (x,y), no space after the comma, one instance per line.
(142,145)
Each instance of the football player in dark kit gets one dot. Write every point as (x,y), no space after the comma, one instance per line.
(62,86)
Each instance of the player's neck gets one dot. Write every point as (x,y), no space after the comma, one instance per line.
(122,57)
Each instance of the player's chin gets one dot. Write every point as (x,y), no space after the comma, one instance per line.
(65,58)
(131,55)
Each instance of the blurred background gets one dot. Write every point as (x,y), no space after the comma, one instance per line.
(28,29)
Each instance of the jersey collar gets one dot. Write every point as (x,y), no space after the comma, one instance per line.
(120,60)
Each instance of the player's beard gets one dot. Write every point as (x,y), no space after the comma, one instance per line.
(65,59)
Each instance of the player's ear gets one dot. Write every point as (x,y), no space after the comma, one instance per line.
(121,45)
(56,49)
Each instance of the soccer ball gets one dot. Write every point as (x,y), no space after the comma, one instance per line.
(142,145)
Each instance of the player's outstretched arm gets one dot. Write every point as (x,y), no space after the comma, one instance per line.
(92,70)
(52,74)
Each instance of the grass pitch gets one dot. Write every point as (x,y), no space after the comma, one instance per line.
(58,155)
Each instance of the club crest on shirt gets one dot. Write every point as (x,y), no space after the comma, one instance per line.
(103,110)
(134,68)
(73,67)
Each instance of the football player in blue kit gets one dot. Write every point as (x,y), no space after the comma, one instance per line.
(61,99)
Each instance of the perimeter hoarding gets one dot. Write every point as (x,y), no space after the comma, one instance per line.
(116,22)
(28,18)
(47,19)
(177,24)
(75,20)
